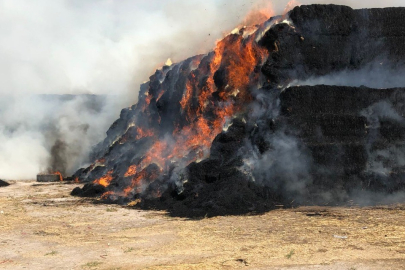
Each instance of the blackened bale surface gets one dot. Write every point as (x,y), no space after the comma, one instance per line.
(330,38)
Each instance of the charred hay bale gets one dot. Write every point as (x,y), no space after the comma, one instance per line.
(324,19)
(344,127)
(89,190)
(325,99)
(328,128)
(3,183)
(391,131)
(341,159)
(232,194)
(329,38)
(381,182)
(226,145)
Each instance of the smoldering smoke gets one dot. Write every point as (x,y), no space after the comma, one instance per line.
(49,133)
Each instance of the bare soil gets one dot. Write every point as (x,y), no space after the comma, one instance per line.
(43,227)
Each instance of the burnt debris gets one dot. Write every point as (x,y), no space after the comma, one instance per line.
(263,142)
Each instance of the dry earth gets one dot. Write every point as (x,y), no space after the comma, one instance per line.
(42,227)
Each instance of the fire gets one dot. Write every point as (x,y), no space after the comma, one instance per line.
(142,133)
(107,194)
(242,57)
(160,95)
(105,180)
(261,12)
(154,154)
(211,94)
(258,16)
(148,99)
(188,92)
(60,176)
(131,170)
(136,181)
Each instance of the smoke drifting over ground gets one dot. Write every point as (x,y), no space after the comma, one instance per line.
(95,47)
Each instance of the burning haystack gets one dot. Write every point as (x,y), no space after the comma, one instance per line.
(227,133)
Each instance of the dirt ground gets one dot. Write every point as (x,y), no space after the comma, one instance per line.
(42,227)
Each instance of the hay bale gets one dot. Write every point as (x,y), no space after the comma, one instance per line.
(48,178)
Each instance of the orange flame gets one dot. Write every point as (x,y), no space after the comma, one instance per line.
(60,175)
(143,133)
(131,170)
(105,180)
(260,13)
(256,17)
(106,194)
(188,93)
(136,181)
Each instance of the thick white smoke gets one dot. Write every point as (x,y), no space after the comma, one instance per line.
(34,124)
(95,47)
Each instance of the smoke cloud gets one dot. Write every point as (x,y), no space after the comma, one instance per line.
(99,47)
(47,133)
(378,74)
